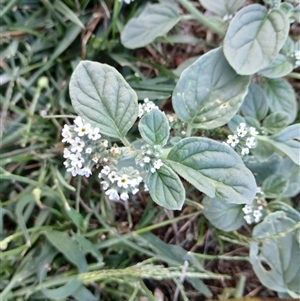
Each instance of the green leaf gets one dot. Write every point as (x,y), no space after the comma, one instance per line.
(75,217)
(82,293)
(209,92)
(166,188)
(280,67)
(214,168)
(290,132)
(254,38)
(222,7)
(224,216)
(156,20)
(281,97)
(70,249)
(279,254)
(154,127)
(276,121)
(102,97)
(289,211)
(234,122)
(255,103)
(274,186)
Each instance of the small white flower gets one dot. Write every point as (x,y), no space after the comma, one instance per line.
(88,150)
(248,219)
(136,181)
(76,160)
(232,140)
(113,177)
(241,132)
(86,172)
(146,159)
(78,121)
(82,128)
(297,54)
(158,164)
(77,145)
(183,132)
(253,131)
(105,170)
(245,151)
(73,170)
(95,159)
(66,134)
(67,163)
(247,209)
(67,153)
(141,111)
(114,150)
(124,196)
(94,134)
(112,194)
(104,143)
(105,184)
(134,190)
(123,181)
(251,142)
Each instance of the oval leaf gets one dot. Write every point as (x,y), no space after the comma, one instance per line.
(280,67)
(222,7)
(62,242)
(254,38)
(255,103)
(274,186)
(156,20)
(276,121)
(214,168)
(209,92)
(102,97)
(280,255)
(166,188)
(281,97)
(154,127)
(224,216)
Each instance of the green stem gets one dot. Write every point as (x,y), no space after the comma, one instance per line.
(294,75)
(126,141)
(189,131)
(79,179)
(199,17)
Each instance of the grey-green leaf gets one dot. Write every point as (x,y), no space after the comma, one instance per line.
(101,96)
(280,67)
(224,216)
(70,249)
(156,20)
(154,127)
(255,103)
(281,97)
(276,121)
(222,7)
(254,38)
(279,254)
(274,186)
(166,188)
(214,168)
(209,92)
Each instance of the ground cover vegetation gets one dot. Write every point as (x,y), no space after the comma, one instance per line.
(149,150)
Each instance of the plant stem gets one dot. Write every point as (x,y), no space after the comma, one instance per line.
(189,130)
(199,17)
(294,75)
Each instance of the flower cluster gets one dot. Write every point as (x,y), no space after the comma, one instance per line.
(148,158)
(85,144)
(243,139)
(255,212)
(146,107)
(118,184)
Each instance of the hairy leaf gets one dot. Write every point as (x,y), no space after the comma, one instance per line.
(254,38)
(154,127)
(276,122)
(274,186)
(224,216)
(102,97)
(156,20)
(209,92)
(222,7)
(214,168)
(166,188)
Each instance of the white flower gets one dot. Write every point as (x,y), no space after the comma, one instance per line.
(66,134)
(85,172)
(104,143)
(105,170)
(78,121)
(113,177)
(95,159)
(232,140)
(124,196)
(245,151)
(88,150)
(248,219)
(67,163)
(73,170)
(251,142)
(67,153)
(112,194)
(94,134)
(82,128)
(76,160)
(136,181)
(77,145)
(253,131)
(247,209)
(134,190)
(146,159)
(158,164)
(123,181)
(105,184)
(114,150)
(141,111)
(241,132)
(152,169)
